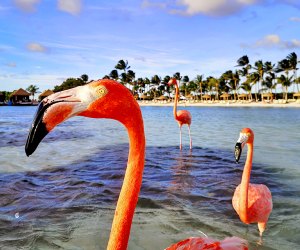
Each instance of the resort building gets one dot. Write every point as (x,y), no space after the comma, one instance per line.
(19,96)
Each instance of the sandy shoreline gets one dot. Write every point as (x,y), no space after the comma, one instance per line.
(277,104)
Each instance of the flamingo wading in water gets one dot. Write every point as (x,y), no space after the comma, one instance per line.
(252,202)
(181,116)
(103,99)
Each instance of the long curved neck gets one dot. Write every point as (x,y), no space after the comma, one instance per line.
(245,185)
(128,197)
(175,101)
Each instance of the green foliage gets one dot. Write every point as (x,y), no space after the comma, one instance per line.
(69,83)
(85,78)
(32,89)
(6,95)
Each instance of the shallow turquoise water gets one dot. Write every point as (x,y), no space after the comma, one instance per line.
(63,196)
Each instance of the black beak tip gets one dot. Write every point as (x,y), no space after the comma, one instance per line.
(37,131)
(237,152)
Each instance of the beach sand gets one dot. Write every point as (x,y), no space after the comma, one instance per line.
(275,103)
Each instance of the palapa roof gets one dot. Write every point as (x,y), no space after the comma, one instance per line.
(20,92)
(242,95)
(296,94)
(46,93)
(267,94)
(225,95)
(162,97)
(206,96)
(143,96)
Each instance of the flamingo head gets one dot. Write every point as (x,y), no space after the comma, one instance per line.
(246,136)
(98,99)
(172,81)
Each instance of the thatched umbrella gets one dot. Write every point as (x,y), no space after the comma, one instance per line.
(145,97)
(225,96)
(296,95)
(206,97)
(190,96)
(45,94)
(268,96)
(243,97)
(162,97)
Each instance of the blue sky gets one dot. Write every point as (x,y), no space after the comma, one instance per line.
(43,42)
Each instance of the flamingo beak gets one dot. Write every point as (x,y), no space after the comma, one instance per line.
(237,151)
(52,111)
(239,146)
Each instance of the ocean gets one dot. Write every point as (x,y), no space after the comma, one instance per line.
(64,195)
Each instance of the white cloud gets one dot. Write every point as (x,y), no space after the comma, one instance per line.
(268,41)
(274,41)
(26,5)
(11,65)
(295,19)
(36,47)
(71,6)
(211,7)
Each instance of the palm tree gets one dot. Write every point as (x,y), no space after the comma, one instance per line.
(253,78)
(246,86)
(199,80)
(283,66)
(269,81)
(165,82)
(147,83)
(185,81)
(127,76)
(297,81)
(155,80)
(114,74)
(85,78)
(231,79)
(286,82)
(260,69)
(141,85)
(246,66)
(32,89)
(236,80)
(293,61)
(122,65)
(214,85)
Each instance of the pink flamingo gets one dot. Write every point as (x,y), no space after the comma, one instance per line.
(252,202)
(181,116)
(232,243)
(105,99)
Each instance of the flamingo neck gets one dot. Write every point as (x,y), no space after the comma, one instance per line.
(245,185)
(175,101)
(128,197)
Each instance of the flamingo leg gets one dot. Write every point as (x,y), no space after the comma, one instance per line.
(190,137)
(180,140)
(261,227)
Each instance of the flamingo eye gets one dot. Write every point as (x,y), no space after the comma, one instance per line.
(101,91)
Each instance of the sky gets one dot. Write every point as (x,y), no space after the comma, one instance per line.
(44,42)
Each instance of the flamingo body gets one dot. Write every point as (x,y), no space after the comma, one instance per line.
(195,243)
(259,202)
(184,117)
(252,202)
